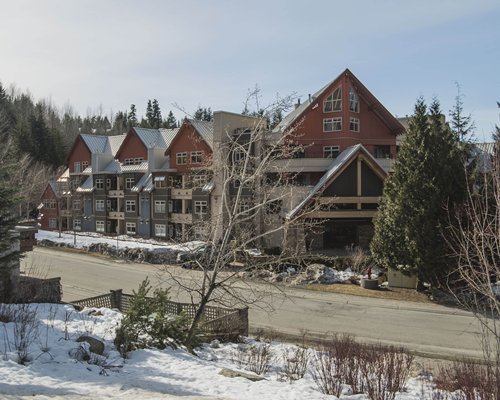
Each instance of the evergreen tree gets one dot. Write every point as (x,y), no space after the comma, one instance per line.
(170,122)
(149,114)
(428,181)
(203,114)
(132,117)
(461,125)
(156,118)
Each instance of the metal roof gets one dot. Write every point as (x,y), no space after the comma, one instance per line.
(149,137)
(114,167)
(142,167)
(166,136)
(205,129)
(140,183)
(87,186)
(342,159)
(114,143)
(95,143)
(488,147)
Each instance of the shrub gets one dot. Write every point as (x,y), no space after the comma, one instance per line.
(295,362)
(146,324)
(256,357)
(467,380)
(379,371)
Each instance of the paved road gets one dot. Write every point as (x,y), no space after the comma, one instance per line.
(426,328)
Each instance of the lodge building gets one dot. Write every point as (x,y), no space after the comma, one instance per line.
(161,183)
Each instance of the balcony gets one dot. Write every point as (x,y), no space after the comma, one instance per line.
(67,213)
(116,193)
(116,215)
(386,163)
(299,165)
(181,218)
(181,193)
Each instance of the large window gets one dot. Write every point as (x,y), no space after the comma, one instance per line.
(99,205)
(85,164)
(353,101)
(99,183)
(130,228)
(354,124)
(52,223)
(196,157)
(160,206)
(160,230)
(49,203)
(76,166)
(334,101)
(133,161)
(99,226)
(129,183)
(129,205)
(160,182)
(200,208)
(332,124)
(77,224)
(181,158)
(330,151)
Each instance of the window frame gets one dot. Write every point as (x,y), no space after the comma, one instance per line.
(353,100)
(196,157)
(160,206)
(100,226)
(160,182)
(128,226)
(200,208)
(181,158)
(52,223)
(336,124)
(328,151)
(99,183)
(129,183)
(77,224)
(333,100)
(100,206)
(161,230)
(354,122)
(77,167)
(130,206)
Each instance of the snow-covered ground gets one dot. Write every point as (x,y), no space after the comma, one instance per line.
(85,239)
(53,368)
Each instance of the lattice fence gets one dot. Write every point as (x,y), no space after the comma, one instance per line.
(218,322)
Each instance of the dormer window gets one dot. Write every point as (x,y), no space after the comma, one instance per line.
(353,101)
(334,101)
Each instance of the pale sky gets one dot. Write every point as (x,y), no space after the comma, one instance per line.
(118,52)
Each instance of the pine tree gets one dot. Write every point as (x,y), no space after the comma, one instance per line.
(203,114)
(170,122)
(461,125)
(156,119)
(149,114)
(428,181)
(132,117)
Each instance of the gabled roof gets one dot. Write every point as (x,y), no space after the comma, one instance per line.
(166,137)
(149,137)
(98,144)
(204,128)
(335,167)
(87,186)
(114,167)
(55,188)
(376,106)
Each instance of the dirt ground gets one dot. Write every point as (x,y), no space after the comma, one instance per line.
(386,293)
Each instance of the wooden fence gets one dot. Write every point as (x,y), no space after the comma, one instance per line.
(218,322)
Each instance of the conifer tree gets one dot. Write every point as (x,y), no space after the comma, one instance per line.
(203,114)
(156,118)
(428,181)
(149,114)
(132,117)
(170,122)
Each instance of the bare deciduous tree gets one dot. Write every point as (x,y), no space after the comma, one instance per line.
(475,241)
(253,191)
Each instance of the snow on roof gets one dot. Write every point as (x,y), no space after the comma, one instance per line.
(87,186)
(114,167)
(209,186)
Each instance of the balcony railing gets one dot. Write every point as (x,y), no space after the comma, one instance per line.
(181,193)
(116,214)
(116,193)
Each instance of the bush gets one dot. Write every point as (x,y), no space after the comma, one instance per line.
(147,324)
(467,380)
(379,371)
(295,362)
(256,357)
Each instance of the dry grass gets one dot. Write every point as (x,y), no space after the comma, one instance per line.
(389,294)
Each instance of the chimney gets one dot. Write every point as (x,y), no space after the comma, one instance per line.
(298,103)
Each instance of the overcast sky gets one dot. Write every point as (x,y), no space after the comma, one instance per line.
(210,53)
